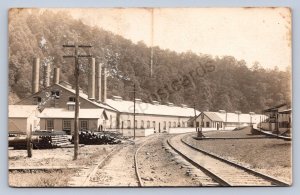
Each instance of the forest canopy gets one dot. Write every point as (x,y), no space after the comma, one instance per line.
(209,82)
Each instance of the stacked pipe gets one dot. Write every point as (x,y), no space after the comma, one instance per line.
(41,140)
(99,138)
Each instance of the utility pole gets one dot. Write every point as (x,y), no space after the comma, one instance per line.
(76,56)
(195,116)
(238,113)
(152,37)
(134,111)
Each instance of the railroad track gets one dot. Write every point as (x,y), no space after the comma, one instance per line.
(88,175)
(98,166)
(224,172)
(84,179)
(138,175)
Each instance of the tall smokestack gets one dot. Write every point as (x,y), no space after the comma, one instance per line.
(35,75)
(56,75)
(104,84)
(91,83)
(47,76)
(98,82)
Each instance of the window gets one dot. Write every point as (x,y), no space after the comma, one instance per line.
(148,124)
(182,124)
(110,121)
(49,124)
(55,94)
(174,124)
(71,107)
(71,99)
(83,125)
(165,125)
(153,124)
(37,100)
(178,125)
(169,124)
(67,125)
(207,124)
(142,124)
(135,123)
(128,124)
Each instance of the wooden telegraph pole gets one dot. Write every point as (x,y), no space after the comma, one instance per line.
(29,144)
(76,56)
(134,111)
(195,117)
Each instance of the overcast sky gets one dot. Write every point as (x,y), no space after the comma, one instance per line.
(260,34)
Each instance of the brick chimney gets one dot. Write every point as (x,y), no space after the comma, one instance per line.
(56,75)
(91,80)
(104,85)
(47,71)
(98,83)
(35,75)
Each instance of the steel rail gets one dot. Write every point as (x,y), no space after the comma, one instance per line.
(215,177)
(273,180)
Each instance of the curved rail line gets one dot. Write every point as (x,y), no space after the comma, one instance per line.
(108,156)
(217,178)
(251,171)
(138,175)
(100,164)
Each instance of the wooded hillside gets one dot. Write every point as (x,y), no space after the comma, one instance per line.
(213,83)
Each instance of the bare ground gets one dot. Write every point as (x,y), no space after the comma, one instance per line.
(60,157)
(159,168)
(270,156)
(119,170)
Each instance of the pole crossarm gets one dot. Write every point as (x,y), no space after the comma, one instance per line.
(66,45)
(85,56)
(69,56)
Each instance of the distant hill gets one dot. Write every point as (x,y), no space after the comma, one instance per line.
(213,83)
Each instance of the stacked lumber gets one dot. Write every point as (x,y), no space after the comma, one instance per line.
(55,141)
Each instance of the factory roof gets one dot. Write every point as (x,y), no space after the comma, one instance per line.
(151,109)
(63,113)
(21,111)
(242,118)
(233,117)
(275,108)
(84,96)
(287,111)
(124,106)
(213,116)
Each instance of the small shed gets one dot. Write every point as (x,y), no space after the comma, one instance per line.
(22,117)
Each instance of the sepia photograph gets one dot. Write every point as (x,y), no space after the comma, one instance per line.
(150,97)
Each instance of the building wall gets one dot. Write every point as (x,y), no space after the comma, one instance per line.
(23,124)
(93,124)
(138,132)
(64,96)
(112,120)
(162,121)
(208,123)
(267,126)
(284,121)
(17,124)
(48,102)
